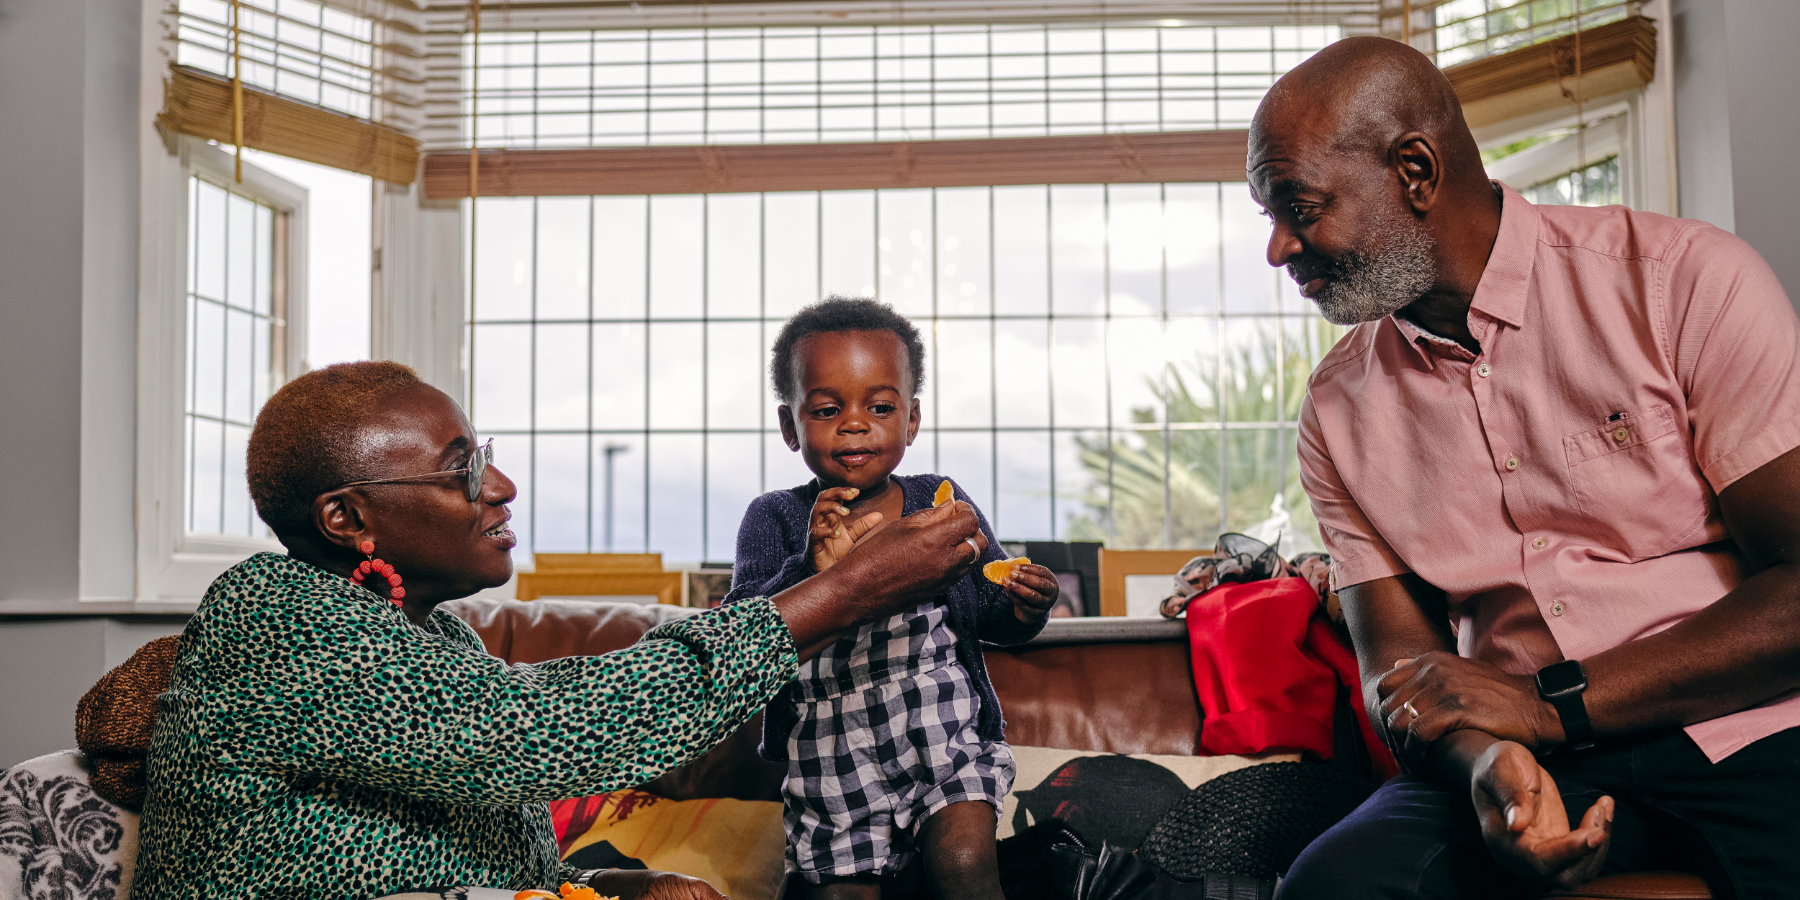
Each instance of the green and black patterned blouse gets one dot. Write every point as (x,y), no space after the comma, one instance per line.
(316,744)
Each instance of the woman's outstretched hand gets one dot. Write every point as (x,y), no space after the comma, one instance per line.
(891,568)
(641,885)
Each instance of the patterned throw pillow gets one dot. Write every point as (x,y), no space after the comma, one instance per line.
(59,839)
(737,846)
(1108,796)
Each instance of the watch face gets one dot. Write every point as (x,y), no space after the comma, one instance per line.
(1561,678)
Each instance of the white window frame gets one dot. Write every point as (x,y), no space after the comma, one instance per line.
(1638,125)
(175,566)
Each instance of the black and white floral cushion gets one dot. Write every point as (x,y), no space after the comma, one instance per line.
(58,839)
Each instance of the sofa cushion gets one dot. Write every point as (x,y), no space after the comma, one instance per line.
(533,632)
(59,838)
(1135,697)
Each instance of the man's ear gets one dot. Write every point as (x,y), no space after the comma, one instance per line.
(339,517)
(912,420)
(1420,169)
(789,431)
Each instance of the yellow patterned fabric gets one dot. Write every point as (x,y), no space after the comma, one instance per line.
(314,743)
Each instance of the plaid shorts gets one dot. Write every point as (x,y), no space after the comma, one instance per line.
(886,737)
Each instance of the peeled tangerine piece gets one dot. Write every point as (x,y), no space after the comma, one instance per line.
(944,494)
(998,570)
(569,892)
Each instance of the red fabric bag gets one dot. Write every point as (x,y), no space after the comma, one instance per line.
(1267,665)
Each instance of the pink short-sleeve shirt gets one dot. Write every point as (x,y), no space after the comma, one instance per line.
(1561,487)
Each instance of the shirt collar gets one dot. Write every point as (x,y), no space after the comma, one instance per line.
(1501,292)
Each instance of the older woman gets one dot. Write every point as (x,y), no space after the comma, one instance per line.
(326,737)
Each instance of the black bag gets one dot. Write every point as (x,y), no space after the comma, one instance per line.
(1049,861)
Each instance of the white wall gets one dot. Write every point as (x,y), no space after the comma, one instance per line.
(46,664)
(1738,123)
(68,293)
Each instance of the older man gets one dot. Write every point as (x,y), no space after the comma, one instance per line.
(1555,466)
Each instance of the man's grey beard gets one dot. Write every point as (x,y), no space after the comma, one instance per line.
(1364,287)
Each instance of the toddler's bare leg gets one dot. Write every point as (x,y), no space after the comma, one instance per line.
(958,845)
(860,889)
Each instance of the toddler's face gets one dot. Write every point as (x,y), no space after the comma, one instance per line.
(853,415)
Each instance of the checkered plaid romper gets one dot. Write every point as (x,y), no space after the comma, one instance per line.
(886,737)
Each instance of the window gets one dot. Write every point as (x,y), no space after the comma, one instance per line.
(1105,362)
(222,324)
(236,347)
(890,82)
(1471,29)
(298,48)
(1595,185)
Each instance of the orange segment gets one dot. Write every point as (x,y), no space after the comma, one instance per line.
(944,493)
(998,570)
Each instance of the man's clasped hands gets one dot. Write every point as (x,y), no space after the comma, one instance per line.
(1466,719)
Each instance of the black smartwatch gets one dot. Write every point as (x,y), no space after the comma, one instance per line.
(1562,684)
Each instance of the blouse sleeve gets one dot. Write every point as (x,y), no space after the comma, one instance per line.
(357,693)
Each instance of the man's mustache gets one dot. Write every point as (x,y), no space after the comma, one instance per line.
(1311,265)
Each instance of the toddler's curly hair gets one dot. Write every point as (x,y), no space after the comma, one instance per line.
(840,313)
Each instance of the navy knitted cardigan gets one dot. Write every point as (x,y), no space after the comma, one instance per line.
(771,557)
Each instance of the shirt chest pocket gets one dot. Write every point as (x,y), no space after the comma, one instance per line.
(1636,483)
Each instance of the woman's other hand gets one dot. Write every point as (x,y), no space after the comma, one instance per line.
(831,532)
(891,568)
(637,884)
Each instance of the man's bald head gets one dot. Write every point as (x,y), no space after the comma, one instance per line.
(1361,94)
(1373,184)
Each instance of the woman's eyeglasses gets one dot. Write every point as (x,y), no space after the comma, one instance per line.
(475,470)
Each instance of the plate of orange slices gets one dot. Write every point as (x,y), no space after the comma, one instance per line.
(568,892)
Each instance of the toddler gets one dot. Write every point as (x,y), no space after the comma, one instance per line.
(892,736)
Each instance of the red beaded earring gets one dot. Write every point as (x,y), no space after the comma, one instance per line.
(373,566)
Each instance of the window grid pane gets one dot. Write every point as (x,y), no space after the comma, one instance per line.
(299,48)
(1105,362)
(849,83)
(1158,413)
(235,330)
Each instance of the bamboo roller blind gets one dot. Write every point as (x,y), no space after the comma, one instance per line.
(717,169)
(1625,49)
(1614,57)
(199,104)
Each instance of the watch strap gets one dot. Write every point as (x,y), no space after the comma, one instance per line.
(1571,708)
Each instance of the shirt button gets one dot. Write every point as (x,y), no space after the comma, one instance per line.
(1512,462)
(1556,608)
(1621,434)
(1483,370)
(1539,544)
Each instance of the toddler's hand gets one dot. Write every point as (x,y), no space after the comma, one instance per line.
(830,535)
(1033,590)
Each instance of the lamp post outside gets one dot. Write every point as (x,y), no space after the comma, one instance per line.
(611,450)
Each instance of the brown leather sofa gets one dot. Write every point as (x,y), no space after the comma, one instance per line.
(1113,685)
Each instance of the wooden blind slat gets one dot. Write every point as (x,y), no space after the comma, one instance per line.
(718,169)
(200,104)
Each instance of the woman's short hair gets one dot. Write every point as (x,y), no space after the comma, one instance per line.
(304,442)
(839,313)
